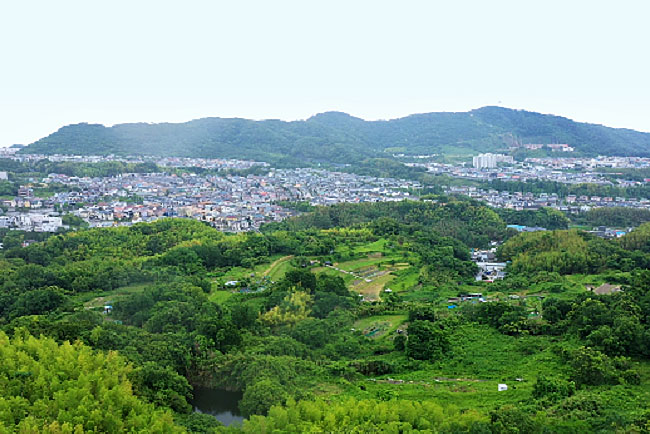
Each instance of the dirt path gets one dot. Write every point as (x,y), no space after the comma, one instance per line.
(276,263)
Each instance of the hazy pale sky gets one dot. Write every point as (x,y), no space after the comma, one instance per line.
(120,61)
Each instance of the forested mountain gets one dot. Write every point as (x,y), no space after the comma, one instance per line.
(335,137)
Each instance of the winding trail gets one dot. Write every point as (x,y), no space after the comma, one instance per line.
(275,264)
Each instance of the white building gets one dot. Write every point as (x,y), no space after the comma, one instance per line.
(484,161)
(560,147)
(489,161)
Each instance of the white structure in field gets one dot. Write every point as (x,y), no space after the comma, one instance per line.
(502,387)
(489,161)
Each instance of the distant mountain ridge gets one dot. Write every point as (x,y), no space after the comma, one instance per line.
(335,137)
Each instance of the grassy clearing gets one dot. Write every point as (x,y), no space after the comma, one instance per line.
(364,262)
(367,276)
(370,275)
(464,395)
(347,278)
(428,294)
(406,280)
(479,351)
(100,299)
(351,249)
(377,246)
(371,290)
(278,268)
(220,296)
(379,326)
(467,377)
(275,265)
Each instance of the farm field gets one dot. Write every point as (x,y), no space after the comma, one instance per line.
(368,276)
(380,326)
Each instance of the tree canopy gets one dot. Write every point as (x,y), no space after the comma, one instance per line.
(87,390)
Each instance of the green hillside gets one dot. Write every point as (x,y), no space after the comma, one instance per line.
(338,138)
(354,318)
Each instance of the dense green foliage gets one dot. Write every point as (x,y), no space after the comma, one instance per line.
(340,138)
(614,217)
(426,340)
(548,218)
(106,168)
(462,219)
(47,387)
(366,416)
(8,188)
(572,251)
(639,239)
(300,319)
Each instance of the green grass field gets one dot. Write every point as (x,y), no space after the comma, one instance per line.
(467,377)
(100,299)
(365,262)
(406,279)
(379,326)
(377,246)
(220,296)
(278,268)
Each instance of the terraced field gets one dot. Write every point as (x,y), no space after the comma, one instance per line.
(368,276)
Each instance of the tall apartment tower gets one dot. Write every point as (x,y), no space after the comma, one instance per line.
(485,161)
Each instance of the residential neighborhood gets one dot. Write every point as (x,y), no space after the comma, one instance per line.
(229,203)
(236,201)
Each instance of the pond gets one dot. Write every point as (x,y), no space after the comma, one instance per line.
(222,404)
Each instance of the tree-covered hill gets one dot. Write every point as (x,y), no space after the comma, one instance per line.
(349,318)
(466,220)
(337,138)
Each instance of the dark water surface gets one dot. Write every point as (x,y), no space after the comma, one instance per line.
(219,403)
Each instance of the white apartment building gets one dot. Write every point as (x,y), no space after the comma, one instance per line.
(489,161)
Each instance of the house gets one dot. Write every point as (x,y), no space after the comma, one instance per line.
(25,192)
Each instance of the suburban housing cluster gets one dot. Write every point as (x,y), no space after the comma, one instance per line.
(222,194)
(227,202)
(563,170)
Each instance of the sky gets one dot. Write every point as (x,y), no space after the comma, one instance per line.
(109,62)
